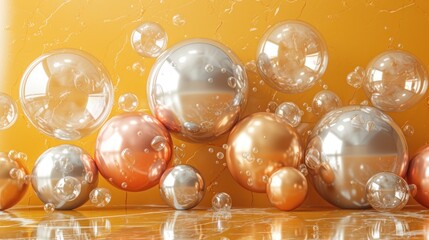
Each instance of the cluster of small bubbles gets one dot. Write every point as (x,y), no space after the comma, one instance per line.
(128,102)
(149,39)
(67,188)
(251,66)
(211,150)
(49,207)
(178,20)
(272,106)
(356,77)
(324,102)
(303,169)
(290,113)
(124,185)
(16,173)
(209,68)
(100,197)
(89,177)
(220,155)
(158,143)
(408,130)
(221,202)
(225,146)
(8,111)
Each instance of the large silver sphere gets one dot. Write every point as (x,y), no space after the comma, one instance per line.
(59,163)
(347,147)
(197,89)
(182,187)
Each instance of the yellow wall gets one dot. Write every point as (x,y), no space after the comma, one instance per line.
(355,31)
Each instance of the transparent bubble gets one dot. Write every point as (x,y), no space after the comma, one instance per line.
(408,130)
(158,143)
(128,102)
(395,81)
(356,78)
(225,146)
(66,94)
(49,207)
(128,156)
(209,68)
(211,150)
(149,39)
(178,20)
(8,111)
(303,169)
(100,197)
(124,185)
(220,155)
(387,191)
(67,188)
(324,102)
(290,113)
(221,202)
(292,56)
(16,173)
(89,177)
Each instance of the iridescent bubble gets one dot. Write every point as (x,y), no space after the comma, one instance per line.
(49,207)
(8,111)
(395,81)
(149,39)
(66,94)
(67,188)
(221,202)
(128,102)
(100,197)
(292,56)
(290,113)
(324,102)
(158,143)
(356,78)
(387,191)
(178,20)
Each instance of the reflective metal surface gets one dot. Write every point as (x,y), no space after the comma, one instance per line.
(57,163)
(182,187)
(347,147)
(197,89)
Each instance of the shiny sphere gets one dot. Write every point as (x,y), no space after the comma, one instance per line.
(418,174)
(197,89)
(292,56)
(100,197)
(66,94)
(290,113)
(287,188)
(347,147)
(58,171)
(128,102)
(325,101)
(395,81)
(8,111)
(182,187)
(221,202)
(12,182)
(387,191)
(132,151)
(259,145)
(149,39)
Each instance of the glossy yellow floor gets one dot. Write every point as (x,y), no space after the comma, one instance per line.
(249,223)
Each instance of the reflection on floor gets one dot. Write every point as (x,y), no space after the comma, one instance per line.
(165,223)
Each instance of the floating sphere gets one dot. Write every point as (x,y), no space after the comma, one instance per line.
(66,94)
(132,151)
(59,176)
(182,187)
(128,102)
(395,81)
(100,197)
(347,147)
(221,202)
(387,191)
(259,145)
(8,111)
(12,181)
(287,188)
(418,174)
(197,89)
(290,113)
(292,56)
(324,102)
(149,39)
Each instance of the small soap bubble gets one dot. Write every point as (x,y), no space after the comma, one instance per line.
(124,185)
(49,207)
(211,150)
(221,202)
(223,70)
(251,66)
(356,77)
(272,106)
(220,155)
(259,161)
(209,68)
(250,181)
(303,169)
(158,143)
(265,178)
(290,113)
(16,173)
(149,39)
(128,102)
(128,156)
(178,20)
(12,154)
(89,177)
(8,111)
(324,102)
(100,197)
(225,146)
(67,188)
(408,130)
(210,80)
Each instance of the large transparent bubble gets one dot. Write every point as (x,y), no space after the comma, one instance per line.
(292,56)
(395,81)
(66,94)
